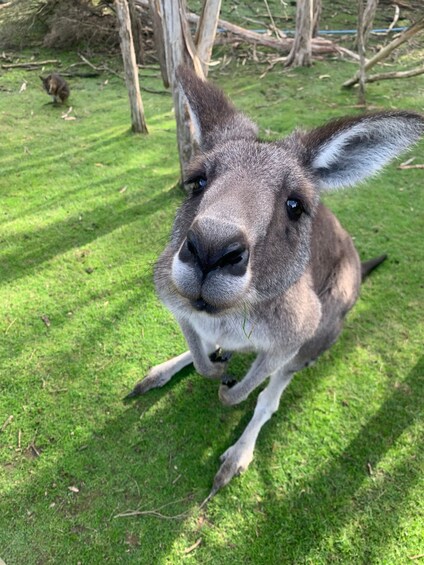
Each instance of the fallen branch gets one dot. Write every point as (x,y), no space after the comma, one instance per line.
(385,51)
(7,422)
(320,46)
(420,166)
(395,74)
(155,512)
(395,19)
(29,64)
(102,68)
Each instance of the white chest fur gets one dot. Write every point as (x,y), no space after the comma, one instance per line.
(232,332)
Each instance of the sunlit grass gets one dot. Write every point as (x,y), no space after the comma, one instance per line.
(86,208)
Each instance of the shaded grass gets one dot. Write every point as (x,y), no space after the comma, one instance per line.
(85,210)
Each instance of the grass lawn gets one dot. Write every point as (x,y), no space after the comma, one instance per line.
(85,209)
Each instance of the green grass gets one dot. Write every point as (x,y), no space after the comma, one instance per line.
(86,207)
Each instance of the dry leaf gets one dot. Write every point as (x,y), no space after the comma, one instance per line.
(46,320)
(193,547)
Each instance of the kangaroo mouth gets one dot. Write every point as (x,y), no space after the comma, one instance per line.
(202,306)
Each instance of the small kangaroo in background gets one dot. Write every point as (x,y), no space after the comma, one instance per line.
(56,86)
(255,261)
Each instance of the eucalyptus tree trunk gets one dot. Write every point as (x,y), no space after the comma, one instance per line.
(155,7)
(317,9)
(361,52)
(206,31)
(137,32)
(138,123)
(175,46)
(180,50)
(370,10)
(301,51)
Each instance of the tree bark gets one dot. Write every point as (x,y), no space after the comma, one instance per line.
(361,53)
(138,123)
(369,15)
(301,52)
(155,7)
(206,31)
(316,17)
(180,50)
(137,33)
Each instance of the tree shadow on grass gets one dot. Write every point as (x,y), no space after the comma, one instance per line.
(323,505)
(163,449)
(42,245)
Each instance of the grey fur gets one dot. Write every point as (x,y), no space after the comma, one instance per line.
(285,291)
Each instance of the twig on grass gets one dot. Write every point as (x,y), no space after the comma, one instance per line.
(418,166)
(30,64)
(193,547)
(34,449)
(156,512)
(152,513)
(102,68)
(10,325)
(7,422)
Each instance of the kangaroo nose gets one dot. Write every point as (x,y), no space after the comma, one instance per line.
(232,255)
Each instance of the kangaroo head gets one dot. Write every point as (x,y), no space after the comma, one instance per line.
(243,234)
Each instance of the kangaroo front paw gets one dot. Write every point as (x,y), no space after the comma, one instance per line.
(220,356)
(228,392)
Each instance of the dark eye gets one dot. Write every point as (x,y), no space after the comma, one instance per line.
(198,185)
(294,209)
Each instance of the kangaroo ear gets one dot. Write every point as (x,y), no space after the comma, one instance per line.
(215,118)
(346,151)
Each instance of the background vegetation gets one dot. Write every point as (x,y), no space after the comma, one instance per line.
(85,210)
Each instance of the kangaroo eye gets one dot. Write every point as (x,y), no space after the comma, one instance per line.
(294,209)
(198,185)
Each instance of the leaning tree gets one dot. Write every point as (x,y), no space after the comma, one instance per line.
(177,46)
(138,122)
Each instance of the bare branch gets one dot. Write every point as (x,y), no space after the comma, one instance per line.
(385,51)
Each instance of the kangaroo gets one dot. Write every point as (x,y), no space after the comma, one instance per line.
(255,262)
(56,86)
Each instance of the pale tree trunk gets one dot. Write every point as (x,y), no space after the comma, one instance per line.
(369,15)
(180,50)
(206,31)
(136,32)
(317,9)
(138,123)
(361,53)
(155,7)
(301,52)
